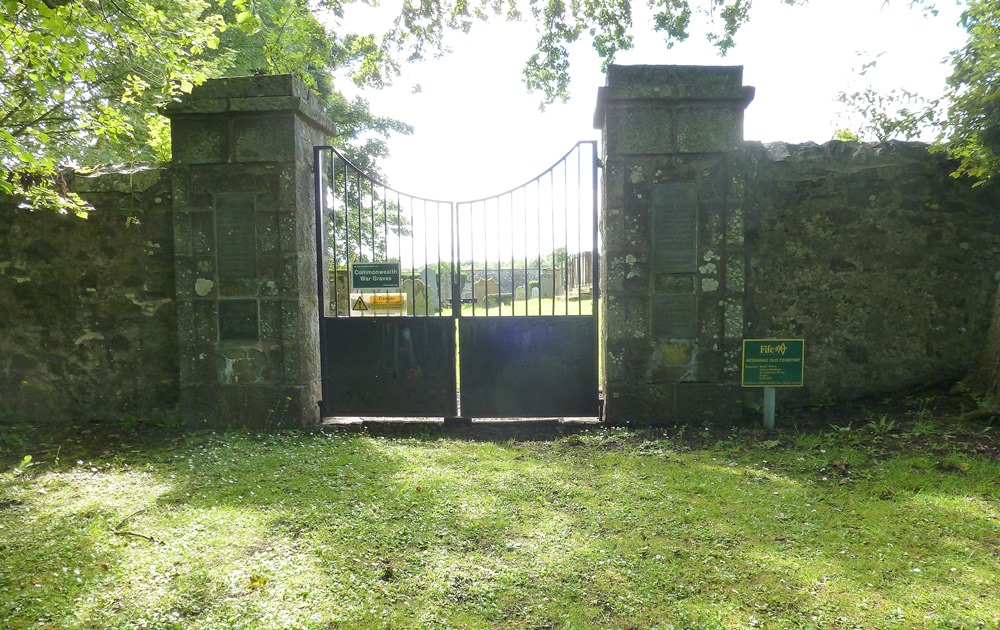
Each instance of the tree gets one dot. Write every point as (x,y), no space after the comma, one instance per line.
(966,117)
(973,124)
(81,79)
(973,132)
(970,131)
(75,76)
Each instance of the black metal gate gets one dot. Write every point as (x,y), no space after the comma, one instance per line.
(480,309)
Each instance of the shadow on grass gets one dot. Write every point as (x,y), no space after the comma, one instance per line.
(603,528)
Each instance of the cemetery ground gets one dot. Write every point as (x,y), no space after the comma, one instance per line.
(880,514)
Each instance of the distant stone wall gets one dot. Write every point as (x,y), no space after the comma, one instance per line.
(874,254)
(87,316)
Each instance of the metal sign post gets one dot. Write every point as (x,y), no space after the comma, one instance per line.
(772,363)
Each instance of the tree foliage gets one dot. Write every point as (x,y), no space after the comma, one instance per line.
(966,117)
(75,76)
(82,79)
(973,123)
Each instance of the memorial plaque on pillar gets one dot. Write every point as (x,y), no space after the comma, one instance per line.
(236,236)
(674,316)
(239,320)
(674,218)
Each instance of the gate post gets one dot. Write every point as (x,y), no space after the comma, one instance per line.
(672,234)
(245,251)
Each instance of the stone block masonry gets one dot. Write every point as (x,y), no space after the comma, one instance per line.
(245,253)
(883,261)
(672,232)
(88,322)
(193,286)
(877,257)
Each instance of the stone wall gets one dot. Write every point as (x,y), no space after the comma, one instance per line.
(873,254)
(195,288)
(245,251)
(87,315)
(190,289)
(672,238)
(876,256)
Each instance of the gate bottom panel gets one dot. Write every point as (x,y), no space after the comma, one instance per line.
(528,367)
(389,366)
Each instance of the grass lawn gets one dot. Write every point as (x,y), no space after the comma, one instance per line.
(873,521)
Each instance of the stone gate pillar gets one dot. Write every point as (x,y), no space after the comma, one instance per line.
(244,239)
(672,235)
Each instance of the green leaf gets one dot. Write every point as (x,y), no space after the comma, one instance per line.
(257,581)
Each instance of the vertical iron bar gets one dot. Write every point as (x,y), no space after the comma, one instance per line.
(552,220)
(361,220)
(511,197)
(486,257)
(456,264)
(524,210)
(413,252)
(333,218)
(426,288)
(582,260)
(347,233)
(472,254)
(385,226)
(499,276)
(320,296)
(595,259)
(566,238)
(538,239)
(437,266)
(371,206)
(399,225)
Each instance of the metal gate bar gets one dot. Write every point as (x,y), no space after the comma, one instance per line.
(543,361)
(459,264)
(371,364)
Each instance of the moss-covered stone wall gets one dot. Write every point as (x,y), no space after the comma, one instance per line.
(885,264)
(874,254)
(877,257)
(87,316)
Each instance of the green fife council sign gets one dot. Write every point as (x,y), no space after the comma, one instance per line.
(773,362)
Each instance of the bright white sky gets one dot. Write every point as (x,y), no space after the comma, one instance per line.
(479,132)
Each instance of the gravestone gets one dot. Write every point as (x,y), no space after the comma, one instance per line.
(552,283)
(429,277)
(484,289)
(545,283)
(416,296)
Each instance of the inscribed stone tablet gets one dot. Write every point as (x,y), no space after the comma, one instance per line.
(238,320)
(674,316)
(675,228)
(236,237)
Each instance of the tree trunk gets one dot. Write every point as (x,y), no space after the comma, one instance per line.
(984,377)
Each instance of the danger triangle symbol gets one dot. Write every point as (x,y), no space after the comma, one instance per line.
(360,305)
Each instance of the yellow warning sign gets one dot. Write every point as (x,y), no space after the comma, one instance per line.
(386,301)
(378,304)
